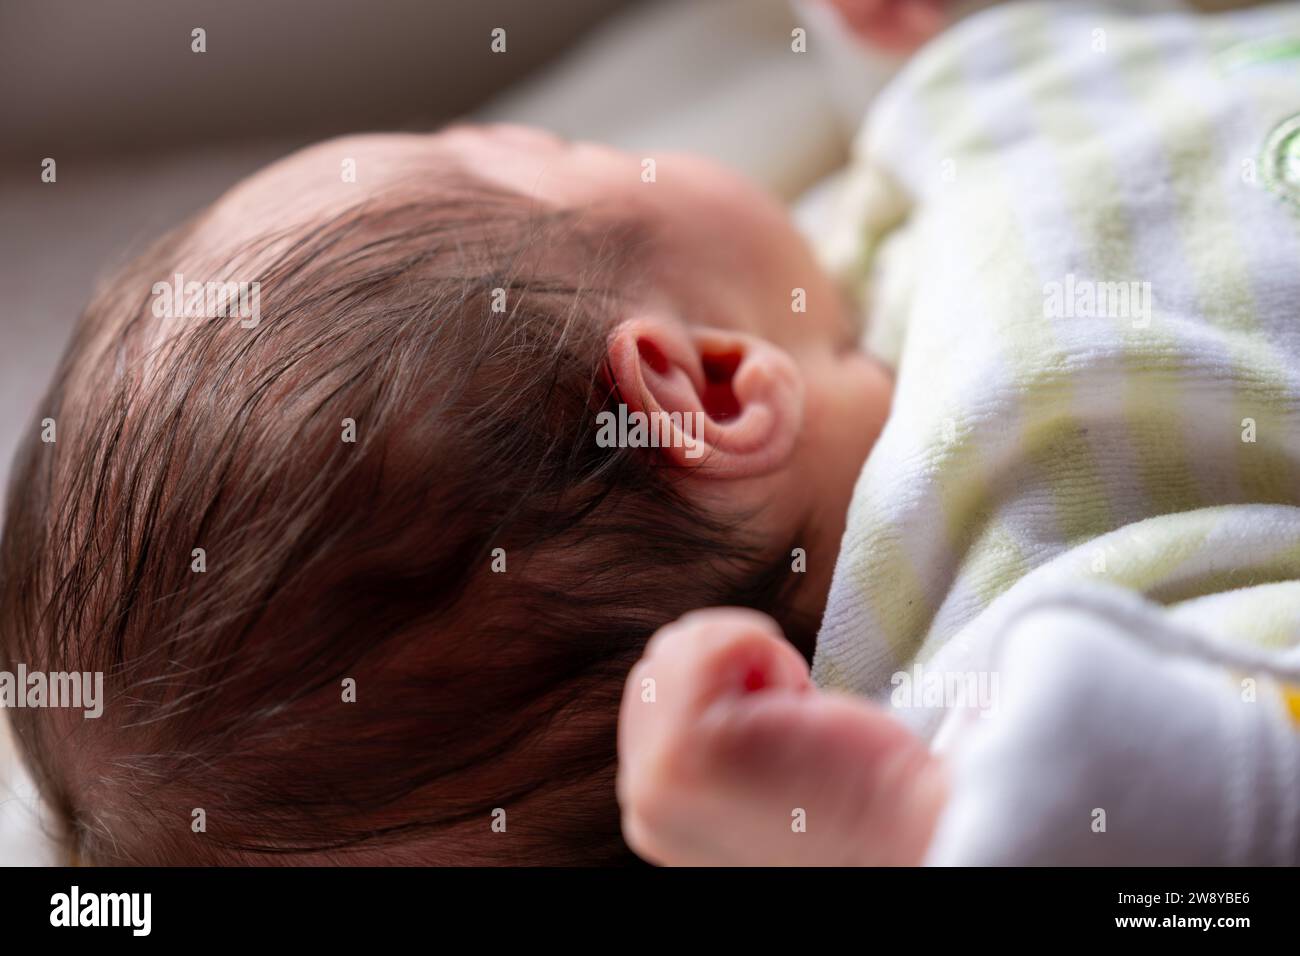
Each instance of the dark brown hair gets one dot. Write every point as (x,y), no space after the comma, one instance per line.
(327,560)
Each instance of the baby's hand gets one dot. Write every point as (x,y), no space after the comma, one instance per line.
(896,26)
(729,756)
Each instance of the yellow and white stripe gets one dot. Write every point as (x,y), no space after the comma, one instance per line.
(1034,142)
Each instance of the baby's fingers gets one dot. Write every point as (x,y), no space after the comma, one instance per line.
(696,664)
(690,664)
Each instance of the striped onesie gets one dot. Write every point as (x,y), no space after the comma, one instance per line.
(1075,227)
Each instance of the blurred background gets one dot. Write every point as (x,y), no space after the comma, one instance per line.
(145,132)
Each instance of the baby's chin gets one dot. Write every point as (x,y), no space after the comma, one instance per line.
(854,395)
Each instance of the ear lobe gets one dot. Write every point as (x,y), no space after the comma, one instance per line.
(724,404)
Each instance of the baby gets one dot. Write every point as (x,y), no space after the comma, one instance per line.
(362,579)
(366,577)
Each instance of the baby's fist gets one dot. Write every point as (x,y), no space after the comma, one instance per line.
(677,705)
(895,26)
(728,755)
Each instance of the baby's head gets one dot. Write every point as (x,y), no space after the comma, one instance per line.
(368,568)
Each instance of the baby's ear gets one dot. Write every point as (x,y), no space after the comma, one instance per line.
(725,404)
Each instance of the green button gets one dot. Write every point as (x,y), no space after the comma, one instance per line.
(1281,160)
